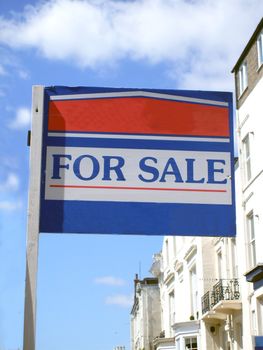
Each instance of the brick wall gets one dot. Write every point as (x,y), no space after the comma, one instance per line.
(255,73)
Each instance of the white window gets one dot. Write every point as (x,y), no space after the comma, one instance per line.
(247,157)
(242,74)
(219,264)
(180,274)
(171,309)
(239,330)
(260,49)
(190,343)
(251,242)
(194,291)
(234,258)
(167,255)
(254,322)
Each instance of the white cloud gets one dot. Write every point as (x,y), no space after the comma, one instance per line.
(200,40)
(11,183)
(10,64)
(120,300)
(22,118)
(8,188)
(110,281)
(10,205)
(23,74)
(2,70)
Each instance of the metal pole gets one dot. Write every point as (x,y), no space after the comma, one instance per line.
(33,219)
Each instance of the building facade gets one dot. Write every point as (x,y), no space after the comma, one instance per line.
(145,314)
(248,72)
(199,294)
(211,289)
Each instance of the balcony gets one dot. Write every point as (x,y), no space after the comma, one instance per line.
(223,299)
(162,342)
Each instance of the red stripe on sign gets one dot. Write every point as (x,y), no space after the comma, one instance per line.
(137,188)
(138,116)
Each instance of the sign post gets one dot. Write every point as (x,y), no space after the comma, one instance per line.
(33,220)
(127,161)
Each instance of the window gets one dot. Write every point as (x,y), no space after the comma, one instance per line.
(167,253)
(239,330)
(242,74)
(260,49)
(247,157)
(253,322)
(219,264)
(234,258)
(180,275)
(171,309)
(194,291)
(191,343)
(251,242)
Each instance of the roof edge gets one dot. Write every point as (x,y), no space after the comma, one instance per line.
(252,38)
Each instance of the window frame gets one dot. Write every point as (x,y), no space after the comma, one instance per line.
(243,77)
(167,253)
(171,308)
(260,49)
(219,263)
(191,342)
(193,283)
(254,329)
(246,150)
(251,239)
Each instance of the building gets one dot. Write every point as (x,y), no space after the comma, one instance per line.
(211,289)
(248,72)
(178,290)
(199,294)
(145,314)
(162,268)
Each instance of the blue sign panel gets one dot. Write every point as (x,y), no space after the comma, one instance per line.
(259,343)
(137,161)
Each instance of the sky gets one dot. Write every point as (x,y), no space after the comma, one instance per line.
(85,282)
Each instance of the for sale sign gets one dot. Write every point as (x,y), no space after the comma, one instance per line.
(132,161)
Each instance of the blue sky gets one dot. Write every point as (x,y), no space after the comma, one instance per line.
(85,282)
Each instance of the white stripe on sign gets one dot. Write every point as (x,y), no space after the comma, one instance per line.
(138,94)
(138,137)
(161,176)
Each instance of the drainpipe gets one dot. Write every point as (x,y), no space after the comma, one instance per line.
(230,331)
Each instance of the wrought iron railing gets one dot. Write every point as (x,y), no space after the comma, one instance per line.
(223,290)
(206,302)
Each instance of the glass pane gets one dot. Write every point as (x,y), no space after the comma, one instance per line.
(247,148)
(246,158)
(248,169)
(251,227)
(260,49)
(242,78)
(253,253)
(191,343)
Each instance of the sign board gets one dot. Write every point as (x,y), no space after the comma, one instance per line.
(130,161)
(258,342)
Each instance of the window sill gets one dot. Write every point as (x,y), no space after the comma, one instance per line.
(252,179)
(243,92)
(260,67)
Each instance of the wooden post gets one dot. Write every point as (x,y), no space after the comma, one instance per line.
(33,219)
